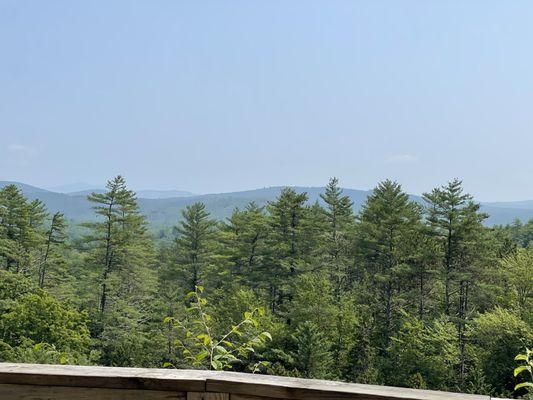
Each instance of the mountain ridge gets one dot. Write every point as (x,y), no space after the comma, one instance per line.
(145,193)
(166,211)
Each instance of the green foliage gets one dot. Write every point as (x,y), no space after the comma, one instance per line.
(288,242)
(515,279)
(456,223)
(244,238)
(21,230)
(41,318)
(339,222)
(496,337)
(200,348)
(12,286)
(312,354)
(525,369)
(40,353)
(194,245)
(52,257)
(427,354)
(389,224)
(124,281)
(403,293)
(35,327)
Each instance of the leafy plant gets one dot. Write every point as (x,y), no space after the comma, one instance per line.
(201,349)
(527,358)
(40,353)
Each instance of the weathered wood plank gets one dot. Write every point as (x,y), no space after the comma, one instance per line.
(292,388)
(33,392)
(218,385)
(207,396)
(234,396)
(103,377)
(217,396)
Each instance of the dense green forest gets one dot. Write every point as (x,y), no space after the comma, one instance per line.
(400,293)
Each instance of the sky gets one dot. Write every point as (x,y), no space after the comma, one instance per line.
(218,96)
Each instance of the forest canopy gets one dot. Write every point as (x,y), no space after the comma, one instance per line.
(400,293)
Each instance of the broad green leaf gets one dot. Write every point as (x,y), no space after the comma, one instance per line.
(523,385)
(221,349)
(521,369)
(202,355)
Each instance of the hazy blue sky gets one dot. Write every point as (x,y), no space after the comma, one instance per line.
(213,96)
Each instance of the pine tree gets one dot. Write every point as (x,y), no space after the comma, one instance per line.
(55,236)
(106,234)
(244,238)
(456,222)
(21,229)
(15,215)
(122,254)
(388,223)
(194,246)
(313,359)
(287,256)
(339,218)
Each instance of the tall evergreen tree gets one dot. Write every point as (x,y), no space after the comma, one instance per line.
(337,244)
(122,254)
(106,234)
(21,229)
(55,236)
(194,245)
(313,359)
(456,222)
(287,256)
(388,222)
(244,239)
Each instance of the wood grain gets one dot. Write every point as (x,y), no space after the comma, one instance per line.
(207,396)
(234,396)
(294,388)
(200,385)
(217,396)
(32,392)
(103,377)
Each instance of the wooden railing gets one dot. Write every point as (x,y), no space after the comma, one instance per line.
(61,382)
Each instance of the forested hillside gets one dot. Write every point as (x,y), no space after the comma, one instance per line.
(404,292)
(162,208)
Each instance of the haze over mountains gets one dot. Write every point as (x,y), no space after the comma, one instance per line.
(84,189)
(163,207)
(145,194)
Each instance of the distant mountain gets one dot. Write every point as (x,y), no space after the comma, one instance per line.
(85,193)
(524,205)
(74,208)
(166,211)
(142,194)
(73,187)
(163,194)
(26,189)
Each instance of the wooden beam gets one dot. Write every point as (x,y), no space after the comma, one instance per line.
(34,392)
(207,396)
(295,388)
(103,377)
(199,385)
